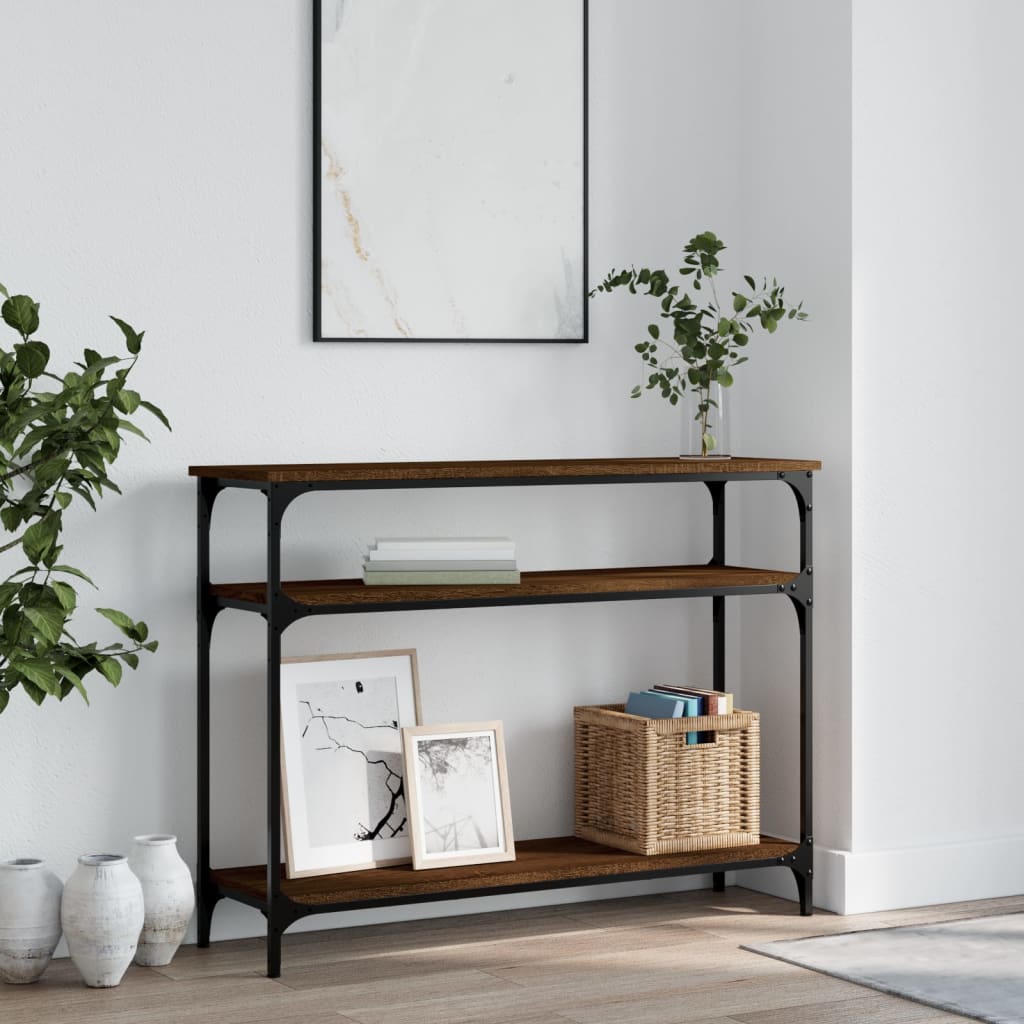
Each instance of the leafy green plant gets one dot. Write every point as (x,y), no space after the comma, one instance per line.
(58,436)
(702,344)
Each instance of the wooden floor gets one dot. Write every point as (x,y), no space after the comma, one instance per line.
(645,960)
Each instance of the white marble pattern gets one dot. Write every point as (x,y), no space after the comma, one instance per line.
(451,169)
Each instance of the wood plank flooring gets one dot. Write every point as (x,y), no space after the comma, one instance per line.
(663,959)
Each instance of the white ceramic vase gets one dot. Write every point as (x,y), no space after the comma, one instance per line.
(102,917)
(29,919)
(167,894)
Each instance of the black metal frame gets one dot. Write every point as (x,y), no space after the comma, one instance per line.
(280,612)
(317,211)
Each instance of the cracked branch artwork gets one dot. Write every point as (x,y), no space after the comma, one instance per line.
(342,735)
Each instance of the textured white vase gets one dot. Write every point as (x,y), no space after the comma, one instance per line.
(102,917)
(167,894)
(29,919)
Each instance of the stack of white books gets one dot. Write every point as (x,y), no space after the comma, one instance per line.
(437,561)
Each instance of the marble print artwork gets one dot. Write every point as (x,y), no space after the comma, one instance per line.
(451,169)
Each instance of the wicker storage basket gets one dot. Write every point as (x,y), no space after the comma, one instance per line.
(641,787)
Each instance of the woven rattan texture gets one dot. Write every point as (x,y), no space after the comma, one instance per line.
(641,787)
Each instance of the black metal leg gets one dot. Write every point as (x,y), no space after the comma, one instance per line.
(206,899)
(274,512)
(717,490)
(801,593)
(279,614)
(803,889)
(274,933)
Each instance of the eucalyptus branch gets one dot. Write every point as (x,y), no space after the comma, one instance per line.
(710,351)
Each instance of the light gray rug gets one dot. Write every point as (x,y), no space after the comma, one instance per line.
(973,967)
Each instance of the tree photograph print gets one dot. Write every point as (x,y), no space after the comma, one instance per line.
(458,794)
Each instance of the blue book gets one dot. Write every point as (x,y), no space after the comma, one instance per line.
(692,710)
(650,704)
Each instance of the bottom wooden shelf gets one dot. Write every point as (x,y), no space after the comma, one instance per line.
(539,864)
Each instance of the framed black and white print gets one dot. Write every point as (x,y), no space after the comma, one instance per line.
(458,794)
(450,172)
(344,784)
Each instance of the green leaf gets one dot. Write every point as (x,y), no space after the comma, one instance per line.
(156,412)
(41,537)
(33,691)
(70,570)
(11,517)
(724,378)
(131,428)
(111,669)
(4,292)
(5,694)
(48,472)
(123,623)
(750,282)
(39,672)
(653,331)
(130,659)
(21,313)
(71,681)
(65,594)
(132,338)
(32,357)
(738,302)
(8,591)
(49,622)
(127,401)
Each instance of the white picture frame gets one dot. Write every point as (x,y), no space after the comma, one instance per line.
(343,787)
(457,786)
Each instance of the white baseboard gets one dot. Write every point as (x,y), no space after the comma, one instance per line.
(862,883)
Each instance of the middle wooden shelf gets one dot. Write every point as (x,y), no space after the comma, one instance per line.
(352,595)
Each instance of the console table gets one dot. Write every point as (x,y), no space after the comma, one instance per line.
(540,863)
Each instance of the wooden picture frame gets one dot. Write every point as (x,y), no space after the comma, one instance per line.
(458,794)
(343,777)
(450,171)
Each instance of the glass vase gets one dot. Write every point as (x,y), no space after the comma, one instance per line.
(705,430)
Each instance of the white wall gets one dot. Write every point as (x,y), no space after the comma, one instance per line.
(157,167)
(793,399)
(937,220)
